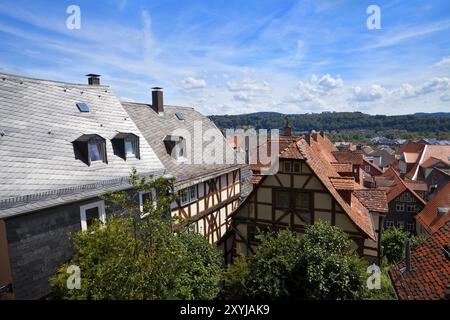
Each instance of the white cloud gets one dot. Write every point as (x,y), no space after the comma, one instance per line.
(434,84)
(445,97)
(445,61)
(243,96)
(126,99)
(327,82)
(248,84)
(191,83)
(405,91)
(372,93)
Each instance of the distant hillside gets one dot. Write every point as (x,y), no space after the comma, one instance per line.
(436,114)
(337,121)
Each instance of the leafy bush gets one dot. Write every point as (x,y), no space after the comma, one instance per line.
(134,258)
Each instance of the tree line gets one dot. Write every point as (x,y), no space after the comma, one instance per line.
(430,124)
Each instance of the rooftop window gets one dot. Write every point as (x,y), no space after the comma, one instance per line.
(176,147)
(126,145)
(83,107)
(180,116)
(90,148)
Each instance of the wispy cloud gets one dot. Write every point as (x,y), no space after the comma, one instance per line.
(238,57)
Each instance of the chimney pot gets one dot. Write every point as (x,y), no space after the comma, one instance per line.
(157,100)
(93,79)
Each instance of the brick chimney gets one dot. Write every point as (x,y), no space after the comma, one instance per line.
(287,129)
(157,100)
(93,79)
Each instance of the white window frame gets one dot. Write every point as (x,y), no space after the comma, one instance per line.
(101,212)
(141,201)
(401,224)
(189,198)
(389,224)
(412,206)
(400,204)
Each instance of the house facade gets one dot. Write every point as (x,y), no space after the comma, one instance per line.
(209,188)
(307,188)
(404,203)
(62,146)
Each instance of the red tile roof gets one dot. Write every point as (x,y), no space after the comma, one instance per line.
(347,156)
(410,146)
(429,218)
(417,186)
(316,157)
(344,183)
(376,168)
(398,186)
(343,167)
(430,269)
(430,151)
(430,162)
(373,199)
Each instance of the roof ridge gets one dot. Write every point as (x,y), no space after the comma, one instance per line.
(46,81)
(149,104)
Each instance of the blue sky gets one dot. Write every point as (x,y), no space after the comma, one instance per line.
(231,57)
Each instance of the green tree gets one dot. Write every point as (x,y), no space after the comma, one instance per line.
(271,266)
(131,257)
(393,242)
(319,265)
(234,279)
(328,267)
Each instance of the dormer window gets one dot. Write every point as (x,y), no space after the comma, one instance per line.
(176,147)
(90,148)
(126,145)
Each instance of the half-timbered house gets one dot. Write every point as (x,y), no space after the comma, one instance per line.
(404,202)
(310,185)
(208,193)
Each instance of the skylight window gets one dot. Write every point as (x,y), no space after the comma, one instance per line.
(180,116)
(83,107)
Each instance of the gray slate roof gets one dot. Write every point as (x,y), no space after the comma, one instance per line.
(39,120)
(155,127)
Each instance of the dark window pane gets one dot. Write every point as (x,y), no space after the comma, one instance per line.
(302,200)
(147,197)
(287,166)
(282,199)
(91,215)
(296,167)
